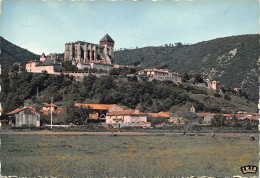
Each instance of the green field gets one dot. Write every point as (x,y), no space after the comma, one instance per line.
(127,156)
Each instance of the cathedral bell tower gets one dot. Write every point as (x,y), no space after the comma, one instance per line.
(108,50)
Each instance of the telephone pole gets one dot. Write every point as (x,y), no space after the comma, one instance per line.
(51,110)
(37,92)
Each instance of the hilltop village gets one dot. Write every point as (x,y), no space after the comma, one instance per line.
(97,60)
(86,56)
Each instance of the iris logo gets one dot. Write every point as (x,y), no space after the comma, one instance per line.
(249,169)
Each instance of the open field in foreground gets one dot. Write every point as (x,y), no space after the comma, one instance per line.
(127,155)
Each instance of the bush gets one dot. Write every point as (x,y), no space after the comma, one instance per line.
(227,97)
(217,95)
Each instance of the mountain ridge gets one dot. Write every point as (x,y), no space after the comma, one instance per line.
(11,53)
(232,61)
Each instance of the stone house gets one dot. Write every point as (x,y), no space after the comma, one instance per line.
(101,65)
(25,116)
(83,65)
(211,84)
(99,111)
(130,118)
(39,67)
(176,77)
(184,117)
(206,117)
(160,74)
(47,108)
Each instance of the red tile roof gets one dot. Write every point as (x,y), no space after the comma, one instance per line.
(253,118)
(202,114)
(95,106)
(160,114)
(21,109)
(49,105)
(231,115)
(256,114)
(125,112)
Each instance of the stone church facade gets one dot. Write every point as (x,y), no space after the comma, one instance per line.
(81,52)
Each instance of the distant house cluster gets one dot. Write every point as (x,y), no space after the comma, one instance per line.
(159,74)
(121,116)
(87,56)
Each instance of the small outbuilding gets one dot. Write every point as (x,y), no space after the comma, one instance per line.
(25,116)
(184,117)
(206,117)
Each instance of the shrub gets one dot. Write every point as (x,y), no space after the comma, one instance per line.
(227,97)
(217,95)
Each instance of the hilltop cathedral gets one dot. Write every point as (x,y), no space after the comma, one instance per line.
(82,52)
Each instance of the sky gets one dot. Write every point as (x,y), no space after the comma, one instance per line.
(46,25)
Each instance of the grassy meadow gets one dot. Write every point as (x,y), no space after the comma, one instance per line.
(127,156)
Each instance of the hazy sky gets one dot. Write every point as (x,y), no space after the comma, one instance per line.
(45,26)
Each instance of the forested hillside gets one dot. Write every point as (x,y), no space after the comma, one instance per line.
(231,60)
(11,53)
(152,96)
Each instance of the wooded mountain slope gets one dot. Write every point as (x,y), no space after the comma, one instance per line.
(11,53)
(148,96)
(231,60)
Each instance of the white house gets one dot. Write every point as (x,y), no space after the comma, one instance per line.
(127,118)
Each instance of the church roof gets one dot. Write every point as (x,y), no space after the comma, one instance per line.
(107,38)
(80,42)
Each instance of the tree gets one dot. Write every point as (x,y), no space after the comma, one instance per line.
(227,97)
(189,119)
(235,121)
(68,67)
(185,77)
(158,120)
(198,78)
(218,120)
(76,115)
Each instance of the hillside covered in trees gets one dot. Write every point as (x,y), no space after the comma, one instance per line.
(231,60)
(11,54)
(148,96)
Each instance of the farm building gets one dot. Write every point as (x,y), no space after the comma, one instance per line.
(183,117)
(160,114)
(124,118)
(25,116)
(47,108)
(206,117)
(99,111)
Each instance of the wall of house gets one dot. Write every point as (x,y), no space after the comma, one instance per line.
(207,119)
(48,108)
(27,117)
(83,66)
(99,66)
(35,68)
(126,119)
